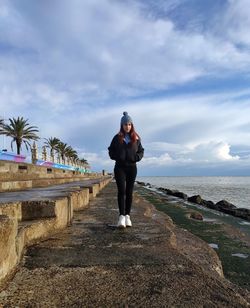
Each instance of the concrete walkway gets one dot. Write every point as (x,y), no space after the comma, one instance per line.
(94,264)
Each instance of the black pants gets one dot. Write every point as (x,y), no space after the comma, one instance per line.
(125,179)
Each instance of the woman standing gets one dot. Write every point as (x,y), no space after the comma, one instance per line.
(126,150)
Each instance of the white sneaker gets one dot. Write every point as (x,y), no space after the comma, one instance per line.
(121,222)
(128,221)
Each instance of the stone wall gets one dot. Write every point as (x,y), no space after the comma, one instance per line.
(23,223)
(18,176)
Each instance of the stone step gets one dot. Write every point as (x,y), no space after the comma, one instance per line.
(38,182)
(30,232)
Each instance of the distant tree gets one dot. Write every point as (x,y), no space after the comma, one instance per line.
(20,131)
(62,149)
(71,154)
(52,144)
(75,158)
(84,162)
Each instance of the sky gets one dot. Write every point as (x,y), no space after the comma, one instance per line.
(180,68)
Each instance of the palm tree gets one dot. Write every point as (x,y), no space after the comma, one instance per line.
(84,162)
(20,132)
(1,122)
(61,148)
(71,154)
(52,144)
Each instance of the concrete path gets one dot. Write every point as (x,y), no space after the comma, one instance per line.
(94,264)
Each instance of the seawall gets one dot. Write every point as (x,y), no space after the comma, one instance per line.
(16,176)
(31,209)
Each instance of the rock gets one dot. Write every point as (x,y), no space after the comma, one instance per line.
(3,294)
(144,184)
(228,211)
(225,205)
(195,199)
(210,204)
(166,190)
(242,213)
(179,194)
(140,183)
(196,215)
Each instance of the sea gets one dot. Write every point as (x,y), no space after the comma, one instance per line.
(234,189)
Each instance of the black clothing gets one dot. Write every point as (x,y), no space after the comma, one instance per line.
(126,156)
(125,179)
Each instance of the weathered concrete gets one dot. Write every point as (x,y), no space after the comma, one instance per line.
(8,232)
(94,264)
(37,214)
(19,176)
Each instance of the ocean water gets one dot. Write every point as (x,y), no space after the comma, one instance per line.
(215,188)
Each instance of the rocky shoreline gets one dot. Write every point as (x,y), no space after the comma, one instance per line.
(222,206)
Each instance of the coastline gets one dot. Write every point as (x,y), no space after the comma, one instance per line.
(224,233)
(235,189)
(222,205)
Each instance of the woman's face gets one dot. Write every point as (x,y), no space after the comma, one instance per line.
(127,127)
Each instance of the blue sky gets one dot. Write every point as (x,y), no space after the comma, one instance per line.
(181,68)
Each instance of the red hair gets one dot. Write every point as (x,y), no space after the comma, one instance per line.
(133,134)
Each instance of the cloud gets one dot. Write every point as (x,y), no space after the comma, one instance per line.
(205,152)
(87,49)
(153,161)
(236,21)
(73,67)
(212,151)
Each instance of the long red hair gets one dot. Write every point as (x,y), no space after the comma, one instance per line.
(133,134)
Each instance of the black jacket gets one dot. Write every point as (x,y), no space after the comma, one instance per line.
(125,154)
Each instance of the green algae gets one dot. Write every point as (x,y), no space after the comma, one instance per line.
(235,268)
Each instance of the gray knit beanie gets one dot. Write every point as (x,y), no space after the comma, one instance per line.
(126,118)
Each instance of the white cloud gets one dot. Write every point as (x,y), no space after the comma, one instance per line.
(212,151)
(223,152)
(236,21)
(87,48)
(162,160)
(72,66)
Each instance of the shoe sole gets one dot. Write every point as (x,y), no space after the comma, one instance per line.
(121,227)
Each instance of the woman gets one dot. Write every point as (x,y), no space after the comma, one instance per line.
(126,150)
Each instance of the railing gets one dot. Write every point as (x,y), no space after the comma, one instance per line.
(22,159)
(4,155)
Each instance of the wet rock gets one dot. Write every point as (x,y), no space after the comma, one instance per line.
(228,211)
(140,183)
(196,215)
(209,204)
(179,194)
(161,189)
(195,199)
(166,190)
(242,213)
(225,205)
